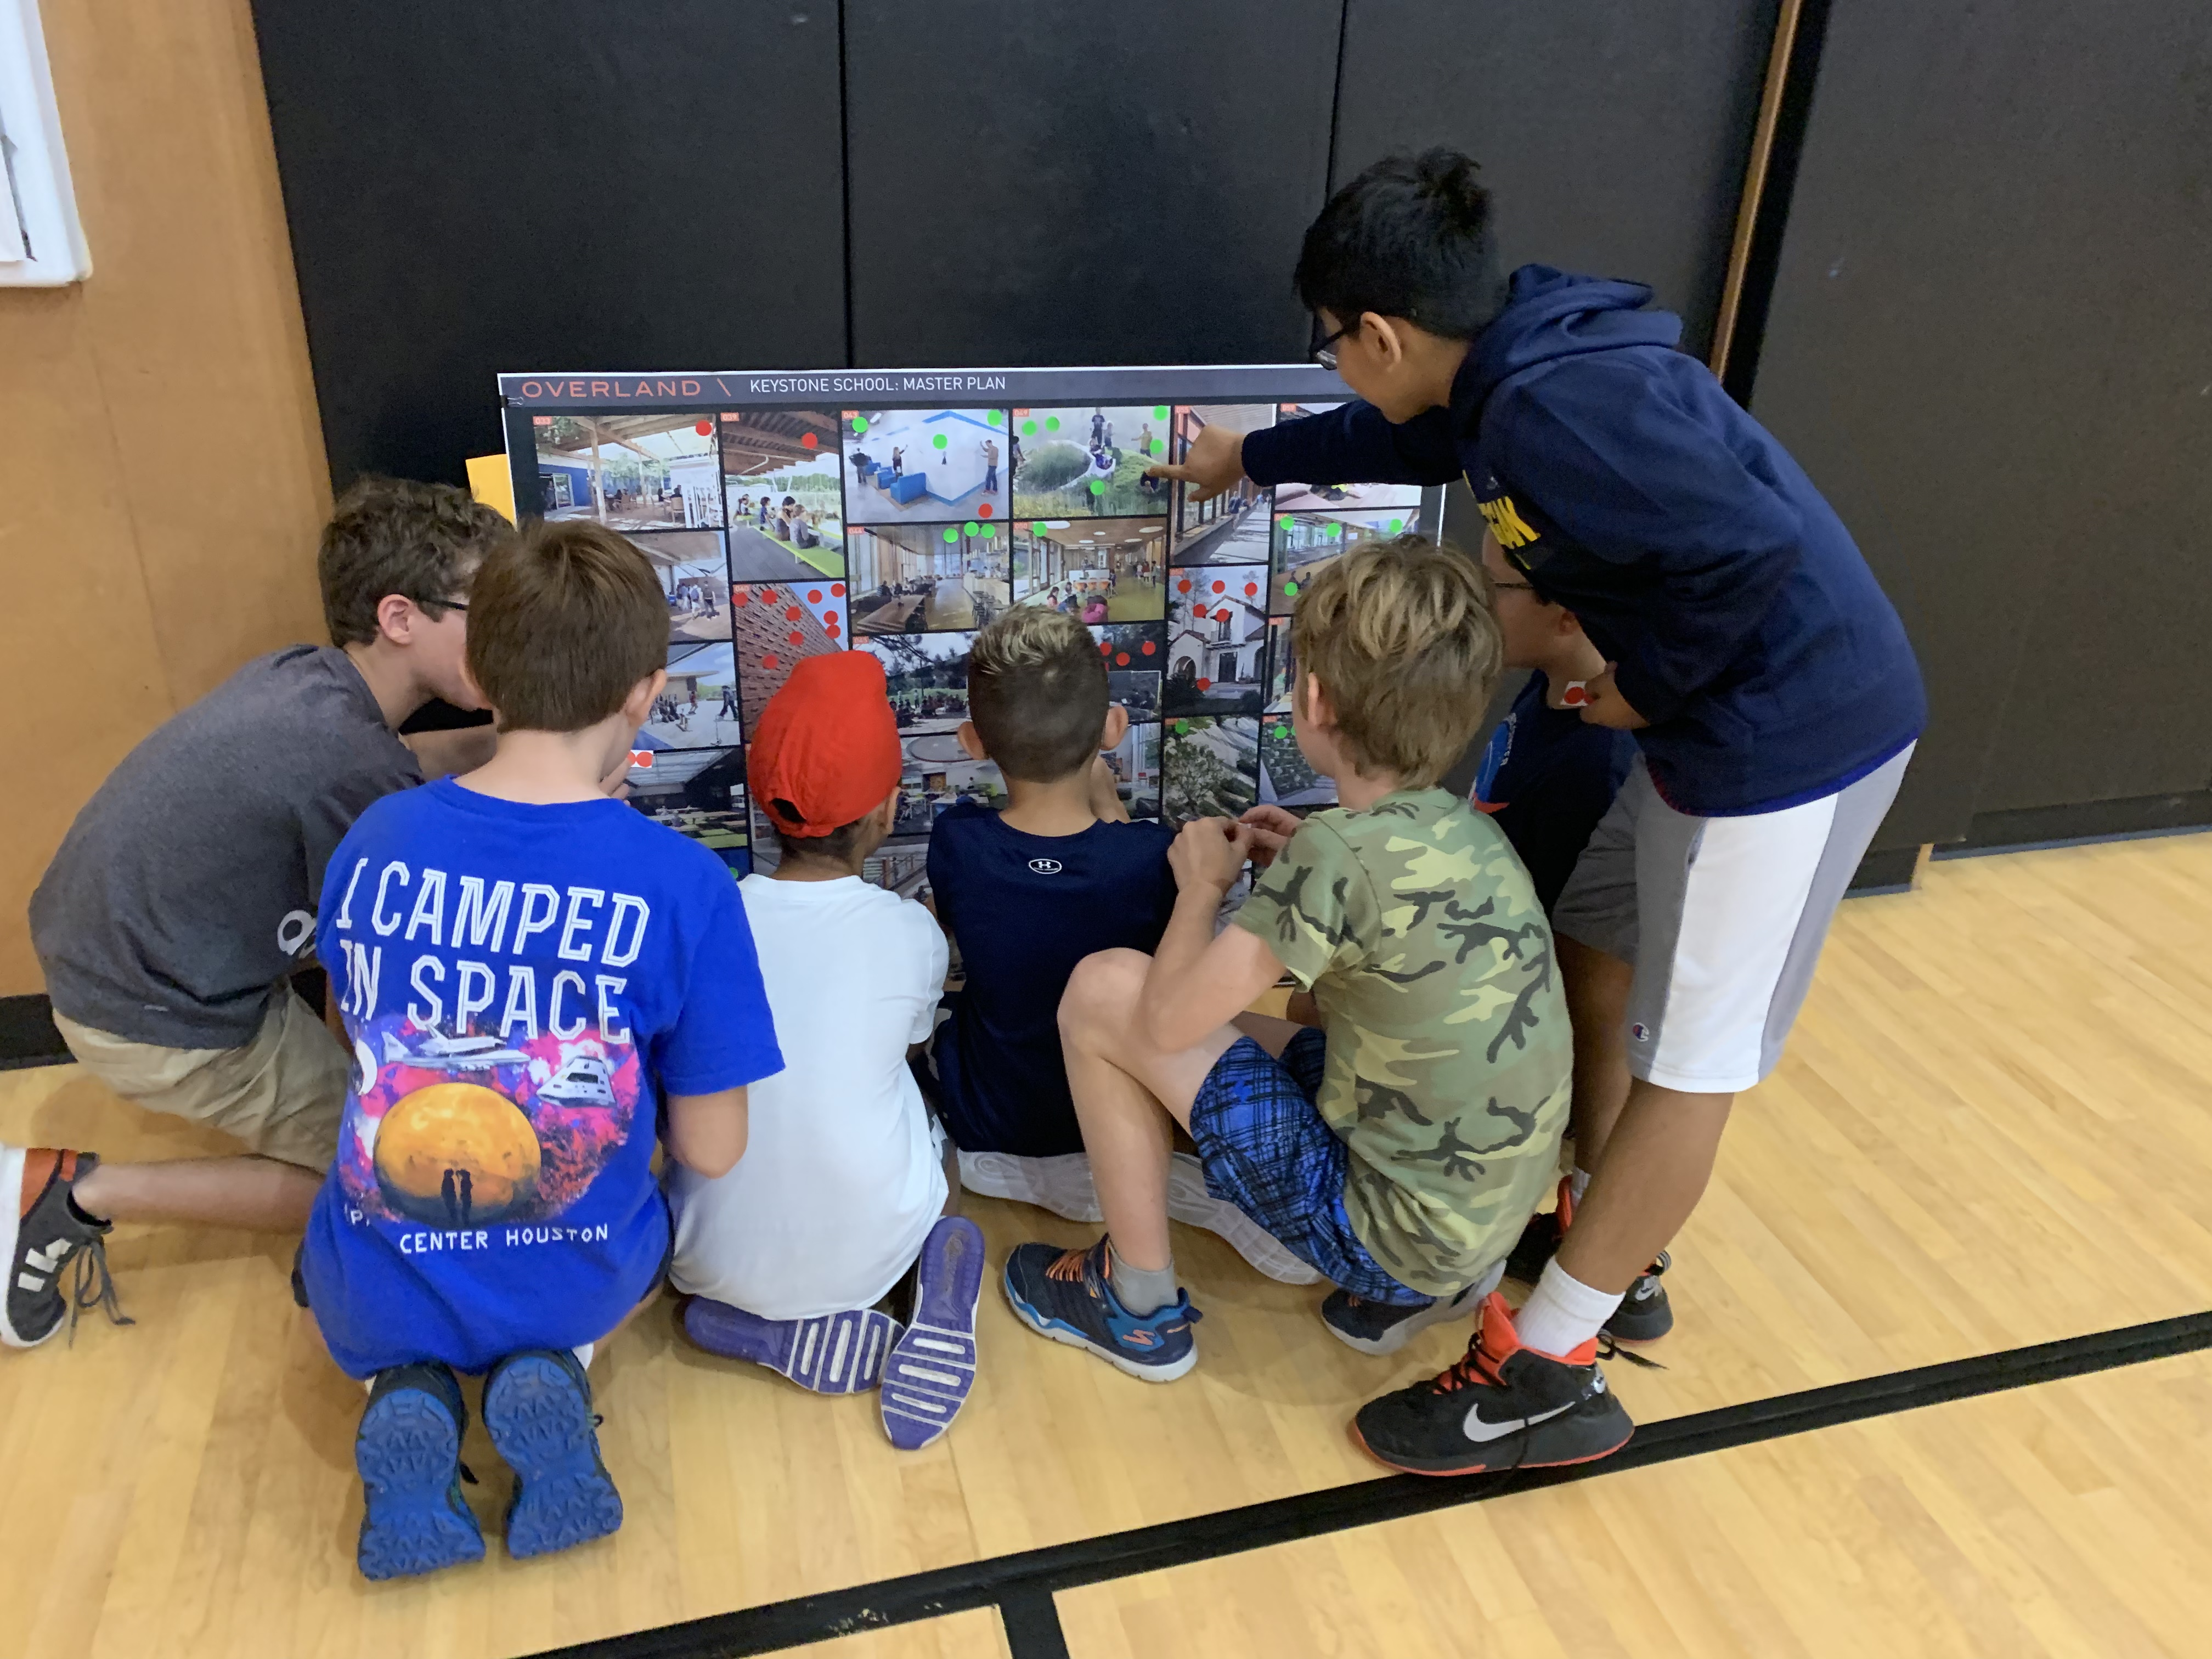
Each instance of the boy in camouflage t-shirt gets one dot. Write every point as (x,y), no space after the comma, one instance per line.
(1399,1149)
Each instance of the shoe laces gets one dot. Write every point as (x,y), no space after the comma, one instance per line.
(91,1286)
(1068,1264)
(1608,1348)
(1472,1370)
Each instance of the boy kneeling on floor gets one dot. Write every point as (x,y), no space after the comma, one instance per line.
(1399,1149)
(529,971)
(840,1205)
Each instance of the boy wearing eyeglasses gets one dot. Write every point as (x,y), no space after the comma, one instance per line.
(184,896)
(1773,694)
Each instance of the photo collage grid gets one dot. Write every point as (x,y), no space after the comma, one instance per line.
(782,533)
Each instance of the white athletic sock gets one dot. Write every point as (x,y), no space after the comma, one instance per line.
(1578,1183)
(1562,1313)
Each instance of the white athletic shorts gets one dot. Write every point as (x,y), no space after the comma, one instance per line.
(1723,918)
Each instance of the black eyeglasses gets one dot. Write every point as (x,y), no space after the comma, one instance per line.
(451,604)
(1514,588)
(1325,354)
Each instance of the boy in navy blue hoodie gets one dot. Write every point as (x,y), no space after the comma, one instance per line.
(1774,697)
(530,975)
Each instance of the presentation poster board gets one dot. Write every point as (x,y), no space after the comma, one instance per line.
(898,511)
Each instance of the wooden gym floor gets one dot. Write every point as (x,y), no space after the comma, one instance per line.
(1991,1132)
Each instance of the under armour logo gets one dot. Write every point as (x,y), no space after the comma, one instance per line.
(1045,866)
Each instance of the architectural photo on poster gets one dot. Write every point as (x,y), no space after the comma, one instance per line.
(926,676)
(630,471)
(924,466)
(1231,528)
(1307,543)
(693,574)
(1294,497)
(782,487)
(1217,639)
(918,578)
(1090,461)
(700,794)
(1099,569)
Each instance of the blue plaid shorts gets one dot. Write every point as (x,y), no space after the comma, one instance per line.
(1267,1149)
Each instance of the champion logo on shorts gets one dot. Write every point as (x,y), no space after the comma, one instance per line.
(1045,866)
(1640,1031)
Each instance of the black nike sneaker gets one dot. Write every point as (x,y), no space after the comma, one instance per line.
(1502,1407)
(1644,1315)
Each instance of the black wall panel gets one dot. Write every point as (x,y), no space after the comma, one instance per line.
(562,184)
(1035,183)
(1990,343)
(1614,135)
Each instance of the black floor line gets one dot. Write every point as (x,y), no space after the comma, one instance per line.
(1021,1585)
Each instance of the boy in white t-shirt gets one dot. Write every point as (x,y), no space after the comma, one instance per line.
(790,1258)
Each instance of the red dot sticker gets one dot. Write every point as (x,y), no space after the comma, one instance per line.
(1121,658)
(704,428)
(814,595)
(1251,587)
(796,638)
(793,613)
(1221,587)
(1105,647)
(741,596)
(1205,685)
(808,440)
(983,511)
(1148,647)
(768,662)
(830,628)
(837,590)
(1183,587)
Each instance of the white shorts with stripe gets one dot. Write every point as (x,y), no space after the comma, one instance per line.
(1723,919)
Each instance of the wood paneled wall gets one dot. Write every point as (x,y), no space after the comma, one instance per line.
(161,474)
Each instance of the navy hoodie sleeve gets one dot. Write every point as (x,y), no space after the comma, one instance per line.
(1611,459)
(1354,445)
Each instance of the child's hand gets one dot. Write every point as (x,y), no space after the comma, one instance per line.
(1106,794)
(1215,462)
(1607,706)
(1209,853)
(1270,828)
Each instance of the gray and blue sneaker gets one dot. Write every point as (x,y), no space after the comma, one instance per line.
(1068,1296)
(842,1352)
(932,1364)
(537,1407)
(408,1450)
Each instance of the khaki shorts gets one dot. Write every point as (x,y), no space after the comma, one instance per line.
(283,1094)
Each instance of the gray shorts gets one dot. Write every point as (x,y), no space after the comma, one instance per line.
(1723,918)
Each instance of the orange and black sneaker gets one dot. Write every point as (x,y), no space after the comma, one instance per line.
(1644,1315)
(41,1233)
(1503,1406)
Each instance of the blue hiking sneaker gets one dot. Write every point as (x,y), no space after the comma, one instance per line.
(1068,1296)
(537,1406)
(833,1353)
(932,1365)
(408,1449)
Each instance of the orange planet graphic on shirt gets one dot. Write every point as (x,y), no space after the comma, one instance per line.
(456,1155)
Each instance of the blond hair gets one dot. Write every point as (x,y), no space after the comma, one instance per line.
(1036,693)
(1401,636)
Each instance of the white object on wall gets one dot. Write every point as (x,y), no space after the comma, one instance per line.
(41,242)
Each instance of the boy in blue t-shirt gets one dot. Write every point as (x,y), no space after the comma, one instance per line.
(530,975)
(1027,893)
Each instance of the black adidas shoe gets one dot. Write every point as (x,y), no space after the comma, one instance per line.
(1377,1327)
(42,1235)
(1644,1315)
(1503,1406)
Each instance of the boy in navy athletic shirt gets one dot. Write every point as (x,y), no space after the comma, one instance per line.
(1027,893)
(1771,689)
(529,973)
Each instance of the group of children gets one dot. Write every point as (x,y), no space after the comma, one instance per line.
(538,987)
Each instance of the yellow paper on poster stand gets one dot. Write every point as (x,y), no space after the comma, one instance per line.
(492,483)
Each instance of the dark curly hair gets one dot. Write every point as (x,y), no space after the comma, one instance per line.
(1411,237)
(423,541)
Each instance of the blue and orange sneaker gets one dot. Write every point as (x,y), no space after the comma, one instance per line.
(408,1449)
(537,1406)
(1068,1296)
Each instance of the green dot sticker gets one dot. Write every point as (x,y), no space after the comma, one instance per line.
(1335,531)
(951,532)
(995,416)
(938,442)
(973,528)
(1039,527)
(1099,486)
(1052,422)
(1159,411)
(1397,525)
(1029,428)
(1159,449)
(1183,728)
(1290,588)
(860,426)
(1282,731)
(1284,522)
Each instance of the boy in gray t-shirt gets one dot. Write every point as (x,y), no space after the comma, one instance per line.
(184,895)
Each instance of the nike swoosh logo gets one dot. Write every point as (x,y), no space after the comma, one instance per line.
(1478,1431)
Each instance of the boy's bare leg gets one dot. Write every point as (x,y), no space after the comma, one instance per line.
(1127,1093)
(1657,1161)
(260,1194)
(1596,984)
